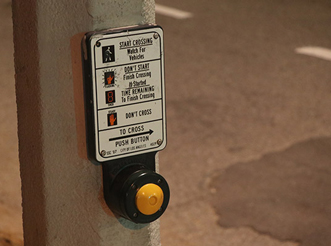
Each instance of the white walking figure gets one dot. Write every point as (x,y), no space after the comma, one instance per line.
(108,54)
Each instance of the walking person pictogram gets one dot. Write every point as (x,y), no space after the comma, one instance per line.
(108,54)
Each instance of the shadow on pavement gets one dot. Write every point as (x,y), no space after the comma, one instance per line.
(285,194)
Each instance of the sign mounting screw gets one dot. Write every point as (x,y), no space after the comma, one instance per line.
(98,44)
(156,36)
(159,142)
(103,153)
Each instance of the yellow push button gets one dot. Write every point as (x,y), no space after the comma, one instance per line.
(149,199)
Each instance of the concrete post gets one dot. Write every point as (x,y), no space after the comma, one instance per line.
(61,190)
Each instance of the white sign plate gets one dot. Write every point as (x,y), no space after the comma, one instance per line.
(128,92)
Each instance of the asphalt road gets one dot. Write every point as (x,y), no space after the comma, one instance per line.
(249,123)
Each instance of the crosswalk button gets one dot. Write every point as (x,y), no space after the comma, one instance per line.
(149,199)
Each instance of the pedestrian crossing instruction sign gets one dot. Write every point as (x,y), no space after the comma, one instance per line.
(124,92)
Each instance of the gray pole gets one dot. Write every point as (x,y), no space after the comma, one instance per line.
(61,190)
